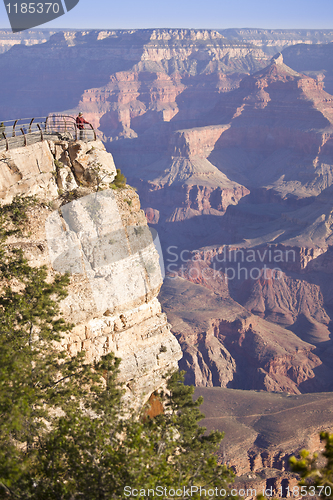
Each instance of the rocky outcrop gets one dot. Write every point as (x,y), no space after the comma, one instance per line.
(282,98)
(193,142)
(27,37)
(226,346)
(101,238)
(272,41)
(43,168)
(262,431)
(188,187)
(27,171)
(124,80)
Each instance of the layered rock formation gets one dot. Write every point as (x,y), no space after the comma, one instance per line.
(225,345)
(272,41)
(26,37)
(263,430)
(274,249)
(285,116)
(124,80)
(102,240)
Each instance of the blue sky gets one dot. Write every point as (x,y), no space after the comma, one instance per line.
(98,14)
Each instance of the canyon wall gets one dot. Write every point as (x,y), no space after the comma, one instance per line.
(102,239)
(27,37)
(272,41)
(123,80)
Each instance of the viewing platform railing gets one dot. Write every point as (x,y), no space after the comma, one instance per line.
(25,131)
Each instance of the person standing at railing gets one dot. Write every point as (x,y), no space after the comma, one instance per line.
(80,121)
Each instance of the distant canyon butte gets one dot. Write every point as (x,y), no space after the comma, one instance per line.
(228,138)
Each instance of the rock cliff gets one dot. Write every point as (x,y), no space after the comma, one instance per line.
(225,345)
(263,430)
(27,37)
(102,239)
(272,41)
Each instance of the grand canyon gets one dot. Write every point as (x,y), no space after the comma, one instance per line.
(227,136)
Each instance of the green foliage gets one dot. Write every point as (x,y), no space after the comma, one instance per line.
(183,452)
(58,164)
(65,433)
(37,378)
(119,181)
(319,477)
(97,175)
(16,212)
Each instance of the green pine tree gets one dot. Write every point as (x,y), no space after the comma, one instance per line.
(316,480)
(119,181)
(96,455)
(37,378)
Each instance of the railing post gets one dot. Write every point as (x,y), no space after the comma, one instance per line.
(25,137)
(13,134)
(58,124)
(41,132)
(92,128)
(7,145)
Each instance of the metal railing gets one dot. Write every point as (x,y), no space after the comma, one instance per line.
(25,131)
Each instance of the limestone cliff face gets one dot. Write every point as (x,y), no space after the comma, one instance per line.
(27,171)
(272,41)
(102,240)
(199,141)
(26,37)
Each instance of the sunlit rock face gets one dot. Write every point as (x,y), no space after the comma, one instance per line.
(27,171)
(123,276)
(102,240)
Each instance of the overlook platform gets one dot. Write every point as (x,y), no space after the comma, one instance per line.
(25,131)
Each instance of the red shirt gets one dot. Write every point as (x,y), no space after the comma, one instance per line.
(80,121)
